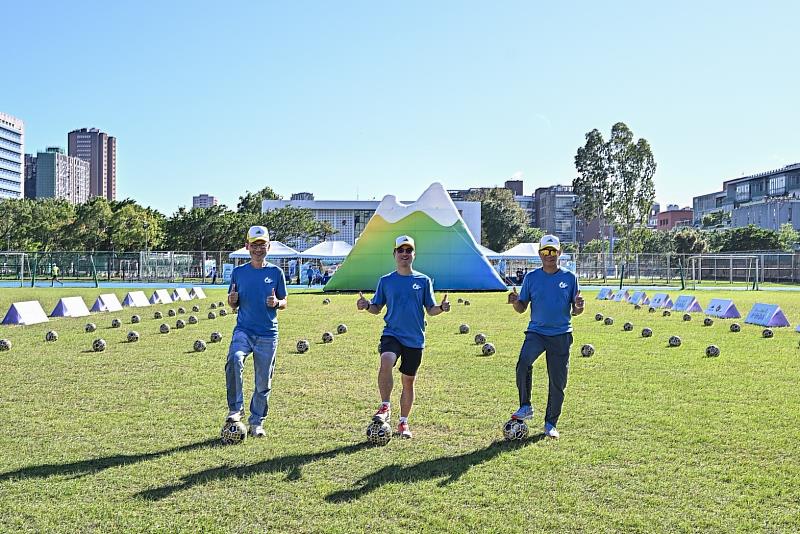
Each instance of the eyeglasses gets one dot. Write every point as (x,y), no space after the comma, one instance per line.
(548,252)
(258,245)
(405,250)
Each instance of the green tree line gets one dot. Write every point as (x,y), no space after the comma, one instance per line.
(30,225)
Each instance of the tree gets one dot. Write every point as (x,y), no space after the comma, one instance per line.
(716,219)
(689,241)
(592,185)
(91,228)
(746,238)
(787,237)
(502,219)
(596,245)
(530,234)
(251,202)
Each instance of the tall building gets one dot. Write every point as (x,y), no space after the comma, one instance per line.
(62,176)
(204,201)
(12,157)
(100,150)
(555,212)
(30,176)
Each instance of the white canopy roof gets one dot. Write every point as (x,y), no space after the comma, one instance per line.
(523,251)
(489,253)
(276,250)
(327,249)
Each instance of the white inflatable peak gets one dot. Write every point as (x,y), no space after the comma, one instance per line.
(434,202)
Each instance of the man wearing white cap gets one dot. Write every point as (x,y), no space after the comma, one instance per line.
(554,295)
(258,289)
(407,295)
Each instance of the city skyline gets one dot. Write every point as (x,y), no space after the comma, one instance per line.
(359,101)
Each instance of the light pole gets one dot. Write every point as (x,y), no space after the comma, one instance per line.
(146,254)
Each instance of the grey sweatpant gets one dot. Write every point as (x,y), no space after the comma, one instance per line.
(557,355)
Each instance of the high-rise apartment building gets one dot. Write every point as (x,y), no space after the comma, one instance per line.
(555,212)
(30,176)
(204,201)
(12,157)
(62,176)
(100,150)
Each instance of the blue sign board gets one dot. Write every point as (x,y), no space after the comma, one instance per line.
(722,308)
(687,303)
(604,294)
(639,297)
(621,296)
(766,315)
(661,300)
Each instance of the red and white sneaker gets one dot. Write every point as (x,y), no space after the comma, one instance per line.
(403,430)
(383,414)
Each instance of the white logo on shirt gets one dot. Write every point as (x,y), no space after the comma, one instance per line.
(268,280)
(416,286)
(562,285)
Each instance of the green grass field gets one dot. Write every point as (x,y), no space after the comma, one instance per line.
(653,438)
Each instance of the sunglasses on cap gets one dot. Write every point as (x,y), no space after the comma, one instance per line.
(405,250)
(548,252)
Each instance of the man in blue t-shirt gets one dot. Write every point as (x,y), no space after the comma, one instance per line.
(407,295)
(258,289)
(553,294)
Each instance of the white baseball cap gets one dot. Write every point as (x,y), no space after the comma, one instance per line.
(257,233)
(550,241)
(404,240)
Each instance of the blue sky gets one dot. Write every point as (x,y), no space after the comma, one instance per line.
(362,99)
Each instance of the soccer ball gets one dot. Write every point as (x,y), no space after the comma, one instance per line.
(52,335)
(666,313)
(608,321)
(158,315)
(463,329)
(712,351)
(220,304)
(181,310)
(674,341)
(213,306)
(212,315)
(171,313)
(5,345)
(587,351)
(195,308)
(651,309)
(687,317)
(164,328)
(460,301)
(192,319)
(379,433)
(135,319)
(627,327)
(216,337)
(223,312)
(598,316)
(326,301)
(736,327)
(327,337)
(480,339)
(767,332)
(99,345)
(90,327)
(466,303)
(180,323)
(637,306)
(233,432)
(341,329)
(199,345)
(133,336)
(115,323)
(303,346)
(488,349)
(708,321)
(515,429)
(646,332)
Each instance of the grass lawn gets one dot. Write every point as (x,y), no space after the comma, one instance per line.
(653,438)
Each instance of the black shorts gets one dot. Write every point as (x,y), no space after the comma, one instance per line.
(410,358)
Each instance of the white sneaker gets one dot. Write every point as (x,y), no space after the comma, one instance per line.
(257,431)
(550,431)
(235,417)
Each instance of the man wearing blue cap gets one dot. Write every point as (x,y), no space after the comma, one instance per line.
(554,295)
(407,295)
(258,289)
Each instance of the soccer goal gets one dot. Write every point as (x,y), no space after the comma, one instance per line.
(14,266)
(725,268)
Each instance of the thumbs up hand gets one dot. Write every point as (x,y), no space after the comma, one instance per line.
(579,301)
(272,300)
(513,296)
(445,305)
(362,303)
(233,297)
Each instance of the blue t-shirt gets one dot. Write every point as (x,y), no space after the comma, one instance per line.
(551,297)
(254,286)
(407,298)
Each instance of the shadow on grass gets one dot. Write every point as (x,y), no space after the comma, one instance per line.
(95,465)
(451,468)
(292,464)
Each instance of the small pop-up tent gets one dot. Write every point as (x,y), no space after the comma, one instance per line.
(276,250)
(327,250)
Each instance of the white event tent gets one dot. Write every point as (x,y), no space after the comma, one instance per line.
(276,250)
(523,251)
(327,250)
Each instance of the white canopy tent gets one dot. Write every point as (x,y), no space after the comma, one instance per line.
(276,250)
(327,250)
(523,251)
(489,253)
